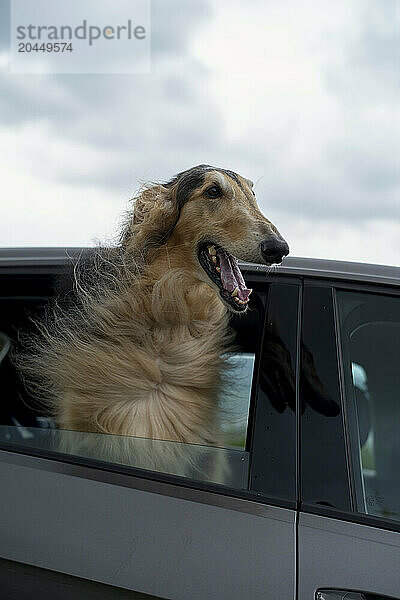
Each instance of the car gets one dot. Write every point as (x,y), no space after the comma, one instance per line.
(311,409)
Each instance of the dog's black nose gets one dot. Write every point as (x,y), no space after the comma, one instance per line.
(273,251)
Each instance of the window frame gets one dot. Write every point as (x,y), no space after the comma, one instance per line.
(351,515)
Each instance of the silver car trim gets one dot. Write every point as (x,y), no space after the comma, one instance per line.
(350,529)
(149,485)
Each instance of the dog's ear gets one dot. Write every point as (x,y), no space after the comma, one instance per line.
(156,211)
(155,214)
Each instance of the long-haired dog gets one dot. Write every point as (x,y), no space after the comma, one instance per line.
(142,353)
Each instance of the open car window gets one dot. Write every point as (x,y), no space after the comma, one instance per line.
(25,426)
(227,466)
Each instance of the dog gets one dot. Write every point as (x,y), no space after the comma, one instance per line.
(142,353)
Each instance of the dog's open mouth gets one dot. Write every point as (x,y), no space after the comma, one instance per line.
(223,270)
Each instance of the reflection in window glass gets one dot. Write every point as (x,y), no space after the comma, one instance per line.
(202,463)
(360,383)
(227,466)
(370,340)
(234,400)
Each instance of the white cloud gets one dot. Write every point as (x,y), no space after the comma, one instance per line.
(300,97)
(39,212)
(374,241)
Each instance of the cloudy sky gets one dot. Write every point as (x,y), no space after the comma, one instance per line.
(302,96)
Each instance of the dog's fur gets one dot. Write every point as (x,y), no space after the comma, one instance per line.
(142,352)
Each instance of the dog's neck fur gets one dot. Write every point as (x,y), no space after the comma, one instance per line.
(158,373)
(178,295)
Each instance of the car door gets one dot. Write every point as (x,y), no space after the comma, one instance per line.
(348,538)
(102,519)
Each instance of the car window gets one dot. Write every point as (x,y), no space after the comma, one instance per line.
(228,466)
(25,426)
(370,345)
(225,466)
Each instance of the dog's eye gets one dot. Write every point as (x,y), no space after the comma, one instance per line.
(213,192)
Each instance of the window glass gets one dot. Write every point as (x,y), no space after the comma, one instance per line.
(24,425)
(273,471)
(370,342)
(225,466)
(323,451)
(228,466)
(235,398)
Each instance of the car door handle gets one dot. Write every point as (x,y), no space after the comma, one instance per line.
(339,595)
(347,595)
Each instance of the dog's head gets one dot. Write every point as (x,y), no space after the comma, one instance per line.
(211,216)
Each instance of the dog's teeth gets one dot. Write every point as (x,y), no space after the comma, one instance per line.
(214,259)
(237,299)
(235,291)
(249,293)
(212,250)
(218,269)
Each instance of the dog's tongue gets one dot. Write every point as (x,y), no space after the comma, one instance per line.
(231,275)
